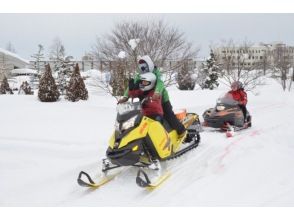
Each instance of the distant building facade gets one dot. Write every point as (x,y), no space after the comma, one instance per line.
(88,63)
(10,61)
(255,54)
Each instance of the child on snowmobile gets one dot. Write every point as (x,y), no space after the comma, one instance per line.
(144,90)
(238,94)
(146,65)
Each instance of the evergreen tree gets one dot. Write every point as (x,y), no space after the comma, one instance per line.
(76,89)
(39,63)
(4,87)
(184,79)
(48,91)
(38,58)
(210,69)
(63,74)
(62,64)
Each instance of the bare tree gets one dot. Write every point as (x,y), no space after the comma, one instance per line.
(156,39)
(57,53)
(282,64)
(266,63)
(292,79)
(240,64)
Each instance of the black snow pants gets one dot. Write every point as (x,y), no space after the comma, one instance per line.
(171,118)
(244,110)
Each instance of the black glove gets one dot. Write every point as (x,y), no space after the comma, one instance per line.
(122,100)
(133,85)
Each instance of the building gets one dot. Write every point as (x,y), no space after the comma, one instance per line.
(254,55)
(10,61)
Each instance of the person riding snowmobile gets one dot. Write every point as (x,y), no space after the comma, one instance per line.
(146,65)
(144,90)
(238,94)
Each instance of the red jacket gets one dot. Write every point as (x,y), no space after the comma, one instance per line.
(239,95)
(150,107)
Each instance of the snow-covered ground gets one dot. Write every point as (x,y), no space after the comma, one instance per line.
(43,146)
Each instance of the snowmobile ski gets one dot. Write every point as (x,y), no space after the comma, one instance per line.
(232,129)
(91,184)
(143,180)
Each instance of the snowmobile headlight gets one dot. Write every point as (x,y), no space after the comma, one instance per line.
(129,123)
(220,108)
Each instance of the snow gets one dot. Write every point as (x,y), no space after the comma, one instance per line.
(8,53)
(43,147)
(15,82)
(23,71)
(133,43)
(122,54)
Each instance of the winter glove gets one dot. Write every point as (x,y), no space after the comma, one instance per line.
(133,85)
(156,96)
(122,100)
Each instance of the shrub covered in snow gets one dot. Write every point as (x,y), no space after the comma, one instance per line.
(76,89)
(4,87)
(185,78)
(48,91)
(25,89)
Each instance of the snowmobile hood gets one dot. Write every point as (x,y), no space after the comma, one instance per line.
(149,62)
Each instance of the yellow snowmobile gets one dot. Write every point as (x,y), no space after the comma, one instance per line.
(143,142)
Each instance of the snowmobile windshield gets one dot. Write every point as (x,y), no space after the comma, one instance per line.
(227,99)
(127,107)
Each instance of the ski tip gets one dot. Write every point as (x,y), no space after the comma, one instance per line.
(159,182)
(143,180)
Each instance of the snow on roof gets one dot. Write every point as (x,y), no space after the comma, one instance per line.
(19,71)
(8,53)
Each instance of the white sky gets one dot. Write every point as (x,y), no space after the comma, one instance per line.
(78,31)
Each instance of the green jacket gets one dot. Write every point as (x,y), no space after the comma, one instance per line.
(159,87)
